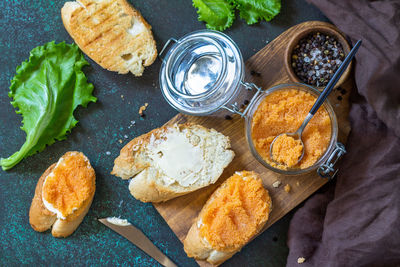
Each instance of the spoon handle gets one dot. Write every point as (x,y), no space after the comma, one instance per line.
(335,78)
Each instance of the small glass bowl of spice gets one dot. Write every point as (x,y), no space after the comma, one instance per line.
(314,54)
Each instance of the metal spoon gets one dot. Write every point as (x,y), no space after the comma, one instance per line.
(320,100)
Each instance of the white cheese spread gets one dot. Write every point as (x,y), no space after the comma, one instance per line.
(118,221)
(179,160)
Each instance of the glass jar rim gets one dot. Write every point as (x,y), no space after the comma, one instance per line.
(327,105)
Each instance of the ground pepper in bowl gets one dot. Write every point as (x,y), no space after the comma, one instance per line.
(316,58)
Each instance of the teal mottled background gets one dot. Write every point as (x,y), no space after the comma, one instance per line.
(25,24)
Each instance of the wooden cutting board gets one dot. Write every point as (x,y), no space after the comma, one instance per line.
(265,69)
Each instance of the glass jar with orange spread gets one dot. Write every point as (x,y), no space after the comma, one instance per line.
(282,109)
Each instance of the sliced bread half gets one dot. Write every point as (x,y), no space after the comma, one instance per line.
(233,215)
(112,33)
(63,195)
(173,160)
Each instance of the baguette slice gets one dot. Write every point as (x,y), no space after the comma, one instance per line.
(172,161)
(42,219)
(112,33)
(233,215)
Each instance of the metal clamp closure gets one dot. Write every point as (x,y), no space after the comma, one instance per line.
(170,40)
(327,170)
(234,108)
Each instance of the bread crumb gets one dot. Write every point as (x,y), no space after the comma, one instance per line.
(132,124)
(120,141)
(301,260)
(276,184)
(287,188)
(298,183)
(142,109)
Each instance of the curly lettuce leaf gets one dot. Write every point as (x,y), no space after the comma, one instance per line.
(254,10)
(218,14)
(46,90)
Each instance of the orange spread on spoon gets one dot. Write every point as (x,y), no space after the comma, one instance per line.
(286,150)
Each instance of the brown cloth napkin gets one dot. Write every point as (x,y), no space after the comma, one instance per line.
(357,222)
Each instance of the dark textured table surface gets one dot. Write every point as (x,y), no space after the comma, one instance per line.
(25,24)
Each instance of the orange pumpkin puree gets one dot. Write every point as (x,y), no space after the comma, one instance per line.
(70,184)
(286,150)
(235,212)
(283,111)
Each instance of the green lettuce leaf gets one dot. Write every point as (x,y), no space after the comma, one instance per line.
(46,90)
(218,14)
(254,10)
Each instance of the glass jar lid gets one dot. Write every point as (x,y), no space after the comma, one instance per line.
(201,72)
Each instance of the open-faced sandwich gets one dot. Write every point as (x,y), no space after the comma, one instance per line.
(234,214)
(63,195)
(173,160)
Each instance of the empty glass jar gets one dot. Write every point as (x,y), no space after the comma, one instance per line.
(201,72)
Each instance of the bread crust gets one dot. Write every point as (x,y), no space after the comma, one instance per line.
(107,45)
(125,165)
(146,190)
(196,246)
(65,228)
(143,186)
(41,219)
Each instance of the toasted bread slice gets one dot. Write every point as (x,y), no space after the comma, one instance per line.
(233,215)
(112,33)
(172,161)
(40,218)
(76,174)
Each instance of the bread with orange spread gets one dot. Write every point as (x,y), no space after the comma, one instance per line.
(63,195)
(172,161)
(233,215)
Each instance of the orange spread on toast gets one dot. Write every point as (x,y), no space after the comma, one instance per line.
(235,212)
(283,111)
(70,184)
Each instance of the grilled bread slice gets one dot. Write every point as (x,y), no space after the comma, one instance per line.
(63,195)
(112,33)
(233,215)
(173,160)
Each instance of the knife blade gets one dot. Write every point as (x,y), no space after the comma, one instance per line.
(137,237)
